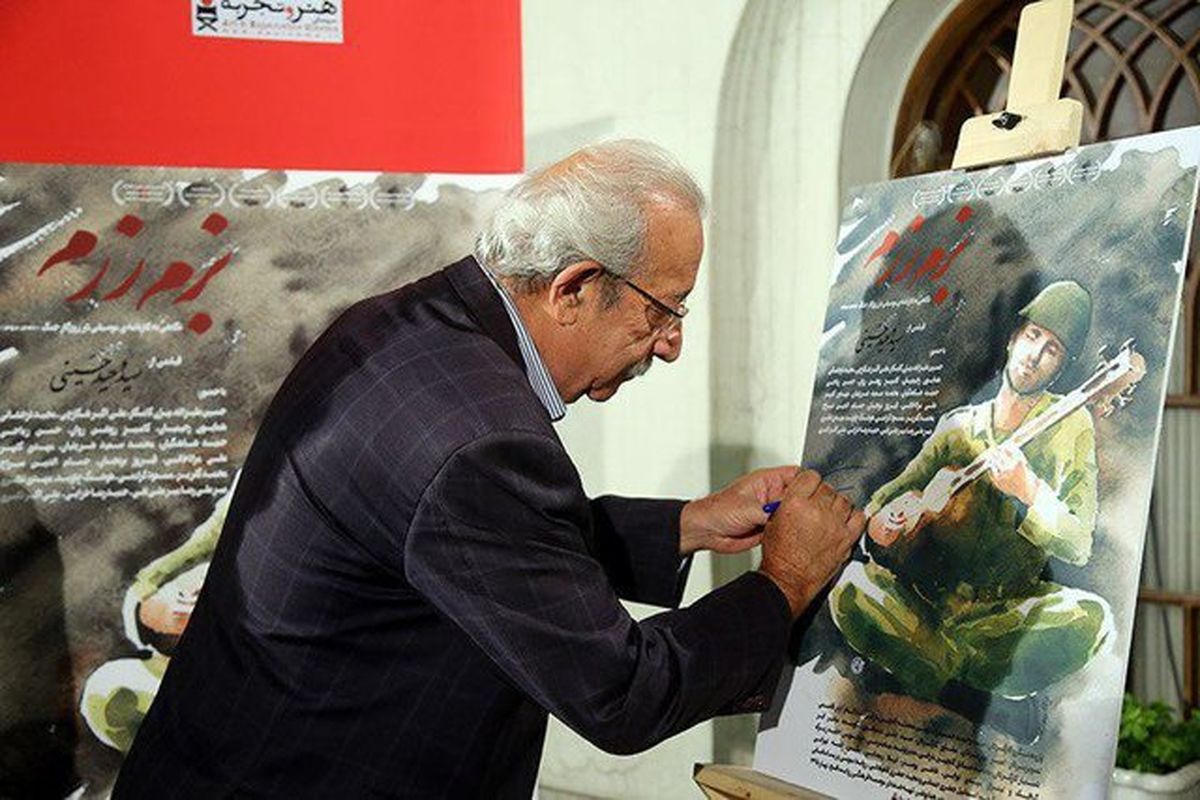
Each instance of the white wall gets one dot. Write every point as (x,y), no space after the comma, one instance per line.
(614,68)
(780,139)
(776,210)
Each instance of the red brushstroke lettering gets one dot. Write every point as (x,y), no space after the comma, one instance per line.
(199,322)
(81,244)
(889,242)
(126,284)
(916,266)
(935,257)
(130,226)
(214,223)
(937,274)
(177,274)
(198,287)
(901,275)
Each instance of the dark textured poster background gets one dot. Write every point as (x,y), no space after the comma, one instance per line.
(239,272)
(934,270)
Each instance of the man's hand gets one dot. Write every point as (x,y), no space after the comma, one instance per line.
(808,539)
(731,520)
(167,613)
(1012,474)
(891,522)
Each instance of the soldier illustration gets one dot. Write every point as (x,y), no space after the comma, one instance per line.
(157,607)
(954,607)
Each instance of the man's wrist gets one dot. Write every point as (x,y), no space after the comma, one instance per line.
(794,593)
(691,537)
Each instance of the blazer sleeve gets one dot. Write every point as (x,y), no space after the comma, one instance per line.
(498,546)
(637,544)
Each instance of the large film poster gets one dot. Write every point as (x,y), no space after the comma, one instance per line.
(990,388)
(146,318)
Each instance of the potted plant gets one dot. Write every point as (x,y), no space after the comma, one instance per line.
(1158,754)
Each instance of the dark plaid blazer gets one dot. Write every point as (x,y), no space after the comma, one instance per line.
(410,577)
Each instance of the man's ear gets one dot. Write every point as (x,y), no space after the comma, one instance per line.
(573,286)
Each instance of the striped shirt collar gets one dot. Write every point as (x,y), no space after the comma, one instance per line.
(535,368)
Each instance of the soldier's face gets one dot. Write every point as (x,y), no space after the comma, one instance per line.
(1035,356)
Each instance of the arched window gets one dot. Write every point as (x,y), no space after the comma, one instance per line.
(1131,63)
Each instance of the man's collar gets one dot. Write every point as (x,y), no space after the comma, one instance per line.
(535,368)
(474,288)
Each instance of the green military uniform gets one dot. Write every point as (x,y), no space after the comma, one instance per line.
(117,694)
(963,599)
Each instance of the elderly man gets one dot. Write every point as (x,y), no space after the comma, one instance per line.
(410,576)
(957,610)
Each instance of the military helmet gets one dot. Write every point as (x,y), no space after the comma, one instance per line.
(1065,309)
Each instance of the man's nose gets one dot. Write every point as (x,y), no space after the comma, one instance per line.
(669,345)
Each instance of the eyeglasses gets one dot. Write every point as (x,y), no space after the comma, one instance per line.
(669,318)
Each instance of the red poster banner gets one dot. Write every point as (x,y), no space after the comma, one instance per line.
(412,87)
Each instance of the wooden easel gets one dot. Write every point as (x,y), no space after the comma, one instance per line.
(1035,122)
(725,782)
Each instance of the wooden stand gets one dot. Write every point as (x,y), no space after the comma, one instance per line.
(1036,122)
(723,782)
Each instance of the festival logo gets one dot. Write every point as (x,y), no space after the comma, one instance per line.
(285,20)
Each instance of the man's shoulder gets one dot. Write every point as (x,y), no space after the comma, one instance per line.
(391,324)
(452,379)
(419,341)
(389,393)
(412,368)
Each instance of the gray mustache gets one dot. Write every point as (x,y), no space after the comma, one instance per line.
(639,369)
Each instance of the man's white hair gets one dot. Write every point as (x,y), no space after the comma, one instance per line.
(589,206)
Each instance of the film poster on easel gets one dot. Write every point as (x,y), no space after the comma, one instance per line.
(990,388)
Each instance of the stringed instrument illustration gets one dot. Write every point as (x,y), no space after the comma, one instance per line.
(1109,388)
